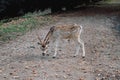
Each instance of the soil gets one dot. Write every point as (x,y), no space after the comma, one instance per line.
(21,59)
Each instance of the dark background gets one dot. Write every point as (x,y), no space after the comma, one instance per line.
(12,8)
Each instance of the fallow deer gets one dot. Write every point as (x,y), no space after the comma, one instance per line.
(56,33)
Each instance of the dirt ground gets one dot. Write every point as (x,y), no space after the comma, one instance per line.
(21,59)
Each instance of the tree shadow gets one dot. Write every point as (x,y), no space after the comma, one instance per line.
(116,27)
(23,58)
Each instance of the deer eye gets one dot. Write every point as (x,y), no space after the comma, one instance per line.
(38,43)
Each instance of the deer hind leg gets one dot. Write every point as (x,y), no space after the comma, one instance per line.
(78,43)
(77,49)
(83,47)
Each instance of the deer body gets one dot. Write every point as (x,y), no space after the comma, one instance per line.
(59,32)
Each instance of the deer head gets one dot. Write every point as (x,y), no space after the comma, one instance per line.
(45,42)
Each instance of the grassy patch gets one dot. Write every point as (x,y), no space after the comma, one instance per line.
(14,28)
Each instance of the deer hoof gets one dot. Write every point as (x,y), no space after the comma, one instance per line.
(74,56)
(43,54)
(47,54)
(53,57)
(83,56)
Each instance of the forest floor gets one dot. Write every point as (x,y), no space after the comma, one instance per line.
(21,59)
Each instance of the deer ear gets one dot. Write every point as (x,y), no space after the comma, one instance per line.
(39,39)
(52,28)
(38,43)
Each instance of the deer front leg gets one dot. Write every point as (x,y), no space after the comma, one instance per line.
(56,48)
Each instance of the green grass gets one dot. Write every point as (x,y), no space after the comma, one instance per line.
(30,21)
(111,2)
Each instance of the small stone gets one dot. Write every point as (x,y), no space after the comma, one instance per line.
(81,79)
(65,76)
(35,75)
(63,70)
(85,71)
(97,78)
(69,74)
(4,77)
(32,47)
(82,68)
(1,71)
(100,64)
(113,75)
(12,67)
(11,73)
(103,78)
(56,75)
(27,67)
(34,72)
(16,77)
(99,74)
(92,59)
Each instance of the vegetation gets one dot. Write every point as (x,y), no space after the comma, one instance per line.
(13,27)
(19,26)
